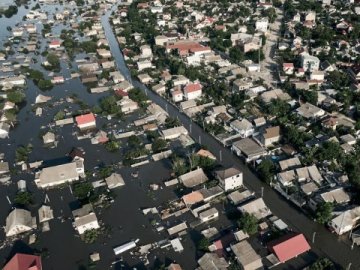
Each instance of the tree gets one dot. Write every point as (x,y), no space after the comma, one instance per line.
(16,96)
(323,264)
(171,122)
(179,165)
(53,60)
(266,170)
(138,96)
(134,142)
(158,145)
(83,190)
(90,236)
(23,198)
(236,55)
(59,115)
(248,223)
(109,106)
(324,212)
(112,146)
(203,244)
(22,153)
(45,84)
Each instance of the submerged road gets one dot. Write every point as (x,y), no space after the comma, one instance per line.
(325,243)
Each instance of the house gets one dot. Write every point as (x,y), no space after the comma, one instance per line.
(336,196)
(19,221)
(354,72)
(100,137)
(256,207)
(127,105)
(209,214)
(146,51)
(177,95)
(55,44)
(24,262)
(290,163)
(161,40)
(243,127)
(309,62)
(205,154)
(288,68)
(4,167)
(86,121)
(246,256)
(141,65)
(230,178)
(174,266)
(4,130)
(85,219)
(193,198)
(268,96)
(345,221)
(289,246)
(249,149)
(270,136)
(262,25)
(104,53)
(58,80)
(211,261)
(237,197)
(192,91)
(60,174)
(174,133)
(117,77)
(48,138)
(45,213)
(241,85)
(317,75)
(114,180)
(193,178)
(310,111)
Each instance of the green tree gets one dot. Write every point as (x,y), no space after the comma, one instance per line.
(22,153)
(248,223)
(171,122)
(112,146)
(134,142)
(324,212)
(203,244)
(53,60)
(45,84)
(59,115)
(179,165)
(83,190)
(158,145)
(16,96)
(266,170)
(323,264)
(23,198)
(138,96)
(90,236)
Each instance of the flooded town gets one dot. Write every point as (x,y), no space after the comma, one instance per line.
(172,134)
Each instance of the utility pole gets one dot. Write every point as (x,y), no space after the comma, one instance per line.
(220,153)
(262,192)
(7,197)
(313,237)
(260,44)
(199,139)
(190,127)
(348,267)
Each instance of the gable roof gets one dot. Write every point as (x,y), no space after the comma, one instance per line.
(85,118)
(289,246)
(24,262)
(226,173)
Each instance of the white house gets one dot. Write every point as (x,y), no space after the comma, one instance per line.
(346,221)
(19,221)
(85,219)
(60,174)
(262,24)
(144,65)
(146,51)
(209,214)
(230,178)
(4,130)
(177,95)
(243,127)
(192,91)
(309,62)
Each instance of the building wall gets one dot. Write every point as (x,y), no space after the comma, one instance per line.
(87,125)
(193,95)
(233,182)
(92,225)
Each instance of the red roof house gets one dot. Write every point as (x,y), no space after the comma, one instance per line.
(289,246)
(86,121)
(24,262)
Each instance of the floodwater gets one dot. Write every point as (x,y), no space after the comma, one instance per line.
(123,219)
